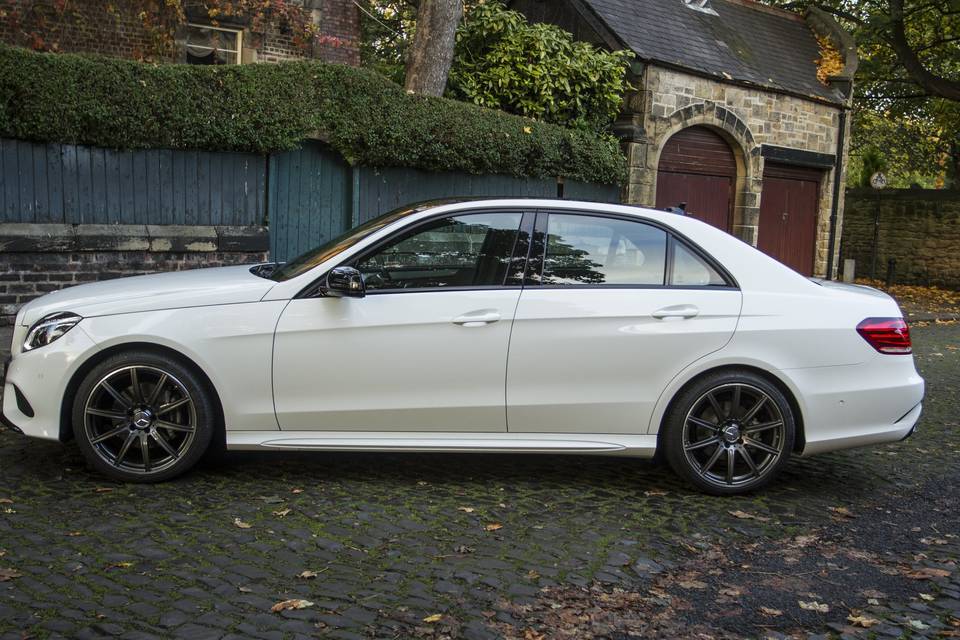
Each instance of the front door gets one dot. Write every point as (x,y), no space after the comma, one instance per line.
(425,350)
(618,308)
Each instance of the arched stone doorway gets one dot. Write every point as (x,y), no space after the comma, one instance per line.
(698,167)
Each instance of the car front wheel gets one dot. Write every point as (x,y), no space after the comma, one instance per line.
(143,417)
(729,432)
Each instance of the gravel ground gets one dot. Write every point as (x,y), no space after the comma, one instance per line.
(854,544)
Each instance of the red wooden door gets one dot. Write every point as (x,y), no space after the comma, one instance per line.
(707,197)
(788,216)
(698,167)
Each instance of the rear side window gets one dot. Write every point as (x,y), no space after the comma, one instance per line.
(690,270)
(595,251)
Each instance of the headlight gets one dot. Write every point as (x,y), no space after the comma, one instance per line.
(49,328)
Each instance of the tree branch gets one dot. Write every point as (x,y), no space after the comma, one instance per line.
(938,85)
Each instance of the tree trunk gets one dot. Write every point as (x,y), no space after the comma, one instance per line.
(432,51)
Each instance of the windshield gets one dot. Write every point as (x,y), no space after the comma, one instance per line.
(327,250)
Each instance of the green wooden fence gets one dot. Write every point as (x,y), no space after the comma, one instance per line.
(315,195)
(307,196)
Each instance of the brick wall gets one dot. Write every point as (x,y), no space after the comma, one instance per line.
(37,259)
(90,29)
(919,228)
(668,101)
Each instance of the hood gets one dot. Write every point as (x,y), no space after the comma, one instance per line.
(175,290)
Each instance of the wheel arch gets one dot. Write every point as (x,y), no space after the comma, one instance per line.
(774,379)
(66,405)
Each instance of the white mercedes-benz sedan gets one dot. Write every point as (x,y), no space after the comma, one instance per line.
(533,326)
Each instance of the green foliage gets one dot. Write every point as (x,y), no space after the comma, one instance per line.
(918,131)
(270,107)
(536,70)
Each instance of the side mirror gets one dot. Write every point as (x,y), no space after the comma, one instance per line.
(345,282)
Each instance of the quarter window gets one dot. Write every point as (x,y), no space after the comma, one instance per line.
(471,250)
(594,251)
(689,269)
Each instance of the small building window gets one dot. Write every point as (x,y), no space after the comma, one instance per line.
(206,44)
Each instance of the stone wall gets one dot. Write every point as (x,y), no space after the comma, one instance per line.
(919,228)
(39,258)
(89,28)
(670,100)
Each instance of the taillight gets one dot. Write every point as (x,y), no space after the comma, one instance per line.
(886,335)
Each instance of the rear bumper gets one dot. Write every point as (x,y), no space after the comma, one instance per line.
(860,405)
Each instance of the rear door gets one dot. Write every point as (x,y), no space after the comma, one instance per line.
(613,308)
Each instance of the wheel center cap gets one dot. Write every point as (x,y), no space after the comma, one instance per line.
(142,418)
(731,433)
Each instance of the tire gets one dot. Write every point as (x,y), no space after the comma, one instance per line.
(748,418)
(141,416)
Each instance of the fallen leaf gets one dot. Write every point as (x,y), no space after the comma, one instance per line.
(434,618)
(463,549)
(918,625)
(466,509)
(842,512)
(532,574)
(307,574)
(244,589)
(120,565)
(9,510)
(930,541)
(804,541)
(281,513)
(6,501)
(927,597)
(103,489)
(692,584)
(654,492)
(767,611)
(8,574)
(527,130)
(297,490)
(873,593)
(862,621)
(927,573)
(240,524)
(743,515)
(290,604)
(74,534)
(493,526)
(814,606)
(733,592)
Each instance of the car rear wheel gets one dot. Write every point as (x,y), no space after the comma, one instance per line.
(143,417)
(729,433)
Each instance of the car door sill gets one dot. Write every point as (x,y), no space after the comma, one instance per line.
(643,446)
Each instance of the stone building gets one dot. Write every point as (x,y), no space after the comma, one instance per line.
(124,29)
(738,110)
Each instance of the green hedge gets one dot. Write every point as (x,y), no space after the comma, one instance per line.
(271,107)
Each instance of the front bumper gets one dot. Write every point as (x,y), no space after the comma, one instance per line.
(3,383)
(42,376)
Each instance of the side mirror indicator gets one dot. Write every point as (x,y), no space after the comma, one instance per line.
(345,282)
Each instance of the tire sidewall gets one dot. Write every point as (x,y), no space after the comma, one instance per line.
(672,439)
(195,386)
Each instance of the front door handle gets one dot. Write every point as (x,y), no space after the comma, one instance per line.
(676,311)
(477,318)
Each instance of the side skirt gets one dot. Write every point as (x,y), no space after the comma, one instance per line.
(617,444)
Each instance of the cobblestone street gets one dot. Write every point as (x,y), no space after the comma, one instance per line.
(862,543)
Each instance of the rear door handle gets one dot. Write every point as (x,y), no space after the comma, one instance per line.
(676,311)
(477,318)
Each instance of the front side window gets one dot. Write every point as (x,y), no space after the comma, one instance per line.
(206,44)
(471,250)
(594,251)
